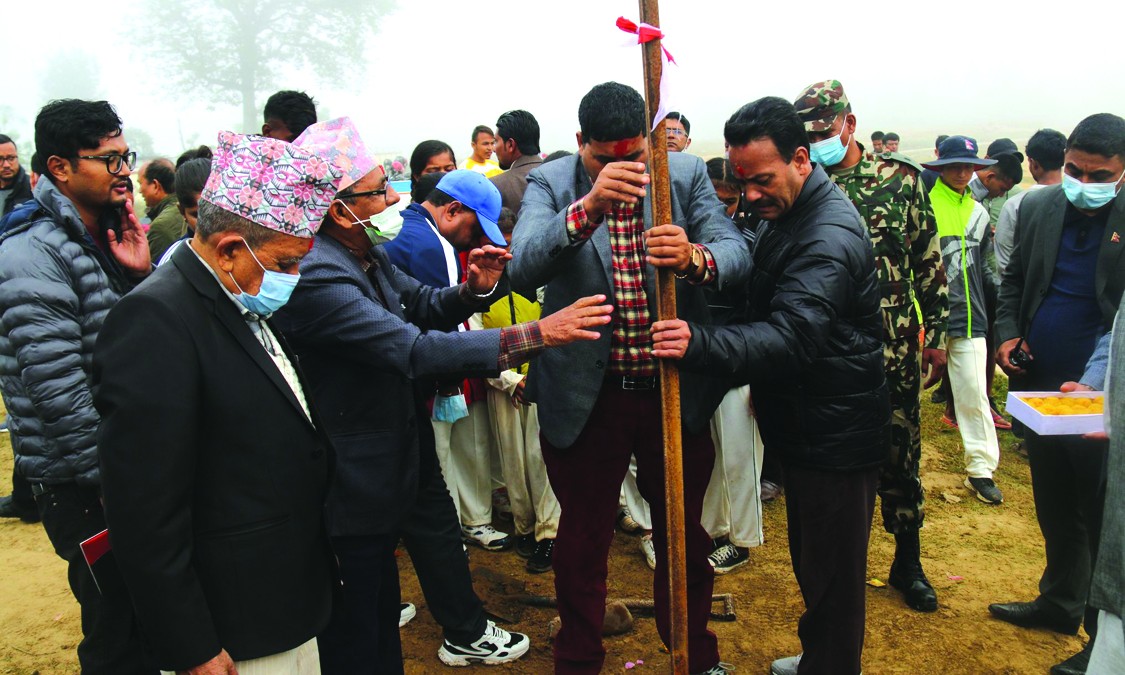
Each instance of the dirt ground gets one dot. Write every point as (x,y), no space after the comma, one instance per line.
(973,553)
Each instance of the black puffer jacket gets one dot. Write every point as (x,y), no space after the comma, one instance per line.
(56,287)
(812,349)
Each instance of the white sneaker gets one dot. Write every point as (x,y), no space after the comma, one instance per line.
(785,666)
(487,537)
(406,612)
(495,646)
(649,550)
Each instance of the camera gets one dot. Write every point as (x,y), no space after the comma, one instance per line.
(1018,357)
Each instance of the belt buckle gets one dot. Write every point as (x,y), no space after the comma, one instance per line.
(641,383)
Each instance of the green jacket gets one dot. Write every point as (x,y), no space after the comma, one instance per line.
(167,226)
(966,250)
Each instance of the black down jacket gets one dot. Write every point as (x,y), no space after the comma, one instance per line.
(812,347)
(56,287)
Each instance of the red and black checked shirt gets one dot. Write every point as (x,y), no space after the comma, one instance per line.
(631,343)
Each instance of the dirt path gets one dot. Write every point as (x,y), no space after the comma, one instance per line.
(995,552)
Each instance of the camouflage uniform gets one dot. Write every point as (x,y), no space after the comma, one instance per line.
(887,191)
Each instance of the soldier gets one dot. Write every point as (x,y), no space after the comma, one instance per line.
(888,193)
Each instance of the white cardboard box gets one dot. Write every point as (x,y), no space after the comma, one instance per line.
(1054,425)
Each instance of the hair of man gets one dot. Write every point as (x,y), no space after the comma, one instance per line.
(876,135)
(683,120)
(65,127)
(481,129)
(194,153)
(161,170)
(1048,148)
(296,109)
(7,139)
(1101,134)
(521,127)
(1008,166)
(940,139)
(214,220)
(890,136)
(611,111)
(191,177)
(771,117)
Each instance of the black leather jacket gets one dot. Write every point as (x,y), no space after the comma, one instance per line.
(811,347)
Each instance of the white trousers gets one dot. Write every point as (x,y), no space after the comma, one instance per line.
(732,506)
(631,497)
(303,660)
(534,506)
(967,378)
(463,450)
(1108,656)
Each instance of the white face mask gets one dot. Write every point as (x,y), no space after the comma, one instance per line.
(977,187)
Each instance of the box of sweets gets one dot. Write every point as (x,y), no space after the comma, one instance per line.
(1053,413)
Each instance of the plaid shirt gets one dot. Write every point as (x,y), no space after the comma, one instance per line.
(631,343)
(519,344)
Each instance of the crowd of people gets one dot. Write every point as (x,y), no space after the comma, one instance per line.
(278,375)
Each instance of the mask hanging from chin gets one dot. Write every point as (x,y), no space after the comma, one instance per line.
(978,188)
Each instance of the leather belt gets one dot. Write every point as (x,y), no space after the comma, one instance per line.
(634,382)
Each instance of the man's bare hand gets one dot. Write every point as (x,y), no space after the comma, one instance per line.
(668,246)
(486,264)
(670,339)
(933,362)
(517,395)
(131,250)
(571,324)
(1068,387)
(220,665)
(1004,356)
(617,182)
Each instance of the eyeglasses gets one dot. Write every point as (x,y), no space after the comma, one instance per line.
(9,159)
(676,132)
(114,163)
(376,193)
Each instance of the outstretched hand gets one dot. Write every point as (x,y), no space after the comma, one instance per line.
(131,249)
(486,265)
(571,324)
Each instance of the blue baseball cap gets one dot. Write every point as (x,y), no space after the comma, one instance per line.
(479,194)
(958,150)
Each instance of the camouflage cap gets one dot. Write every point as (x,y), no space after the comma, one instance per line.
(820,104)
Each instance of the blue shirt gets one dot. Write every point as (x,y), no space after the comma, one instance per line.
(1068,323)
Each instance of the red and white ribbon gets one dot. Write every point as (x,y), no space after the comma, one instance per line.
(647,33)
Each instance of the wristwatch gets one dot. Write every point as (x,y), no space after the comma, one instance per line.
(694,263)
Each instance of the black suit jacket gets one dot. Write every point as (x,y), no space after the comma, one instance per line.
(214,478)
(362,347)
(1027,278)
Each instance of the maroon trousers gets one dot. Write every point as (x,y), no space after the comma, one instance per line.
(586,478)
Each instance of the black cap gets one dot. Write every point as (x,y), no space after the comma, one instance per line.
(1003,146)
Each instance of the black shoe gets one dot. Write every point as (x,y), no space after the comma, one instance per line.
(985,489)
(938,396)
(1075,665)
(525,545)
(540,561)
(10,508)
(1031,615)
(907,575)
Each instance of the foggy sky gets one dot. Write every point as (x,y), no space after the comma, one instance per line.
(436,69)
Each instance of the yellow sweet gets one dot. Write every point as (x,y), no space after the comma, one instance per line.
(1064,405)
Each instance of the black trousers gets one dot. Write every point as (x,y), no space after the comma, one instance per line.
(432,534)
(111,641)
(362,636)
(21,490)
(829,516)
(1068,476)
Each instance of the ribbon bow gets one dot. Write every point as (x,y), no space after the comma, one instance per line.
(645,33)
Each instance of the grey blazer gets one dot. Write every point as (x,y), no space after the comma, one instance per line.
(513,182)
(1027,278)
(1107,588)
(565,382)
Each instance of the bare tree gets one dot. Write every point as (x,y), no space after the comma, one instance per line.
(233,50)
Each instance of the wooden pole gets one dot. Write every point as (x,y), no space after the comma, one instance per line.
(669,374)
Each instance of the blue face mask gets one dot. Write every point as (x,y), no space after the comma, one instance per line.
(450,408)
(830,151)
(1090,196)
(274,293)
